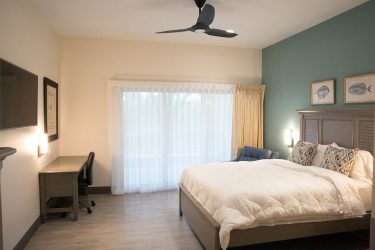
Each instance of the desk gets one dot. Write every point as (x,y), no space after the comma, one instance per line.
(60,179)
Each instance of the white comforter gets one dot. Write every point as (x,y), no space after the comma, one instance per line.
(242,195)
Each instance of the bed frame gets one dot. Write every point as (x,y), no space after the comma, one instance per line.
(351,128)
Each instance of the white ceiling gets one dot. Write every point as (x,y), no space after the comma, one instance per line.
(259,23)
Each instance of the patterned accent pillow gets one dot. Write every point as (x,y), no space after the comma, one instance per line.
(303,153)
(339,159)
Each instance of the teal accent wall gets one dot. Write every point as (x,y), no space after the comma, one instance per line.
(340,47)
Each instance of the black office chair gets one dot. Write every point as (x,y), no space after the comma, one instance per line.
(84,181)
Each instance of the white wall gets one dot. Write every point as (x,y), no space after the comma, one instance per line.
(87,65)
(26,41)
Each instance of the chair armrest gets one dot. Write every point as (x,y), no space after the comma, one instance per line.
(275,155)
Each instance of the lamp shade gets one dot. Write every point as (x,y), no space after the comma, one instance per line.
(43,144)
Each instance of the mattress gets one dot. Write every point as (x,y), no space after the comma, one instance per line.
(241,195)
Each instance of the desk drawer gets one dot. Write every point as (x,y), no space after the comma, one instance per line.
(58,185)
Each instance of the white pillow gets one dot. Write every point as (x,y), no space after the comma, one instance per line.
(319,155)
(362,166)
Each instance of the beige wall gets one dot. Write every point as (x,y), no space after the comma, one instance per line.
(87,65)
(27,42)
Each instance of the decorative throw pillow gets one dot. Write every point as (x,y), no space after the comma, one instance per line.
(339,159)
(320,150)
(303,153)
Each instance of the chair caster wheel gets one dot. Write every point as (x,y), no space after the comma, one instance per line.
(89,210)
(93,203)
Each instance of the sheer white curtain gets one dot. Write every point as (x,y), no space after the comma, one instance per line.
(159,129)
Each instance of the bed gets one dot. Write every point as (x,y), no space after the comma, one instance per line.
(200,200)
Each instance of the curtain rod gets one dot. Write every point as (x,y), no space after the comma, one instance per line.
(170,79)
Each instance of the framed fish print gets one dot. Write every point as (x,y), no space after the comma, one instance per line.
(359,89)
(51,109)
(322,92)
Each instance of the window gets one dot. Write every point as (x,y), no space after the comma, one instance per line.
(166,128)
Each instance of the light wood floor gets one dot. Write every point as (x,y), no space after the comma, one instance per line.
(136,221)
(151,221)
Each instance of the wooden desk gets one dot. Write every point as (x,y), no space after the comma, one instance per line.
(60,179)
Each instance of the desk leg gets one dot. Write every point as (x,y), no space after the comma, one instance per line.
(43,203)
(75,197)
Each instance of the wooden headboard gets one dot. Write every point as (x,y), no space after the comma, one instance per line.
(349,128)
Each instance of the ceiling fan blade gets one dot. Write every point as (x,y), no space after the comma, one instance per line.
(206,17)
(173,31)
(221,33)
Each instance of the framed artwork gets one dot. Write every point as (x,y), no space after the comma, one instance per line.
(51,115)
(322,92)
(359,89)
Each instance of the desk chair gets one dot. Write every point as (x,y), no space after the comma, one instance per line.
(84,181)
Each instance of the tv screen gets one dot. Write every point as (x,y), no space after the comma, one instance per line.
(18,97)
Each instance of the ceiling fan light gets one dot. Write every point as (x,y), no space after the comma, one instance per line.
(230,31)
(200,31)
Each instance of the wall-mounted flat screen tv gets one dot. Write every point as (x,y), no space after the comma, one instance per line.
(18,97)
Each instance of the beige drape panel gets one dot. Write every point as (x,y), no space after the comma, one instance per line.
(247,126)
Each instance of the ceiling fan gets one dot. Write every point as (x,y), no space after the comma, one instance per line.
(205,18)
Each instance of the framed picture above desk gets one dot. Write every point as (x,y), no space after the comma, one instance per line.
(51,109)
(60,179)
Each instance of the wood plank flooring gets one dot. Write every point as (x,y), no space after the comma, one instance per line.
(151,221)
(136,221)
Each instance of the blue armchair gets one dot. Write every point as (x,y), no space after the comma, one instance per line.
(254,154)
